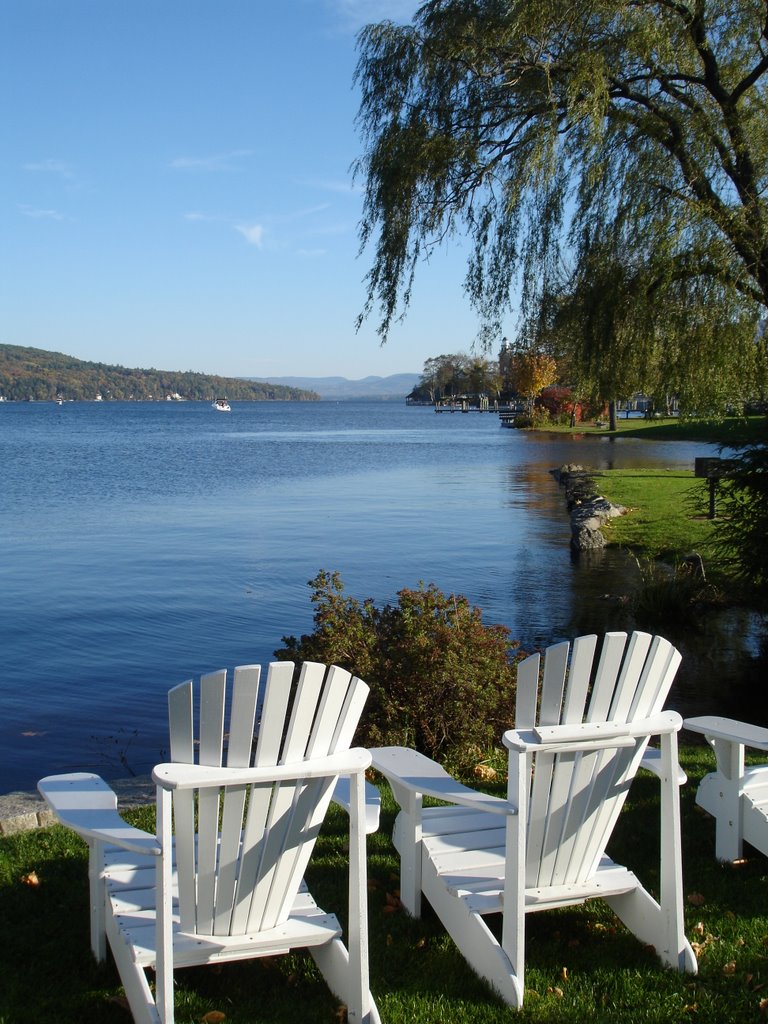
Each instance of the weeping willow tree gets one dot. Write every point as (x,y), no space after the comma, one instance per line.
(625,327)
(625,139)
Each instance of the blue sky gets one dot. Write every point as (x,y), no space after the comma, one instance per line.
(176,190)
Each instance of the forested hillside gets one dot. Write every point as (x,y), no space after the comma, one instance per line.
(33,373)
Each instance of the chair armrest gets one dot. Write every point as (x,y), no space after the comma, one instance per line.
(413,771)
(585,736)
(568,739)
(730,730)
(341,797)
(85,803)
(178,776)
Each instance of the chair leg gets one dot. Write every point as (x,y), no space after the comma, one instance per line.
(475,941)
(662,926)
(407,842)
(98,898)
(654,926)
(332,960)
(729,831)
(133,978)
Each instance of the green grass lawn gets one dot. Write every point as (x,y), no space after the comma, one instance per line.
(667,510)
(581,964)
(732,432)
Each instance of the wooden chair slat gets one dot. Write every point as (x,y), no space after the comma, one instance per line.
(181,726)
(553,684)
(527,692)
(242,716)
(607,673)
(212,695)
(579,678)
(310,687)
(630,677)
(329,712)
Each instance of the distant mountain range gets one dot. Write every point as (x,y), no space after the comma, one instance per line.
(396,386)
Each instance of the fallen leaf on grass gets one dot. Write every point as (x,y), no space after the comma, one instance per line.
(763,1006)
(730,967)
(213,1017)
(393,903)
(30,879)
(484,772)
(696,899)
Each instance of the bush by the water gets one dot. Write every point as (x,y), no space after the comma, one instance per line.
(441,680)
(741,529)
(676,594)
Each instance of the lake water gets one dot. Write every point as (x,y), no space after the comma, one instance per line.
(145,543)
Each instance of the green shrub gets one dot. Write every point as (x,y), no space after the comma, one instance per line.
(441,681)
(741,527)
(523,421)
(672,594)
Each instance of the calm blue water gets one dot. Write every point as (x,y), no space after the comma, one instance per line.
(147,543)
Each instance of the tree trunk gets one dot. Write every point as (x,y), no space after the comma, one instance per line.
(612,425)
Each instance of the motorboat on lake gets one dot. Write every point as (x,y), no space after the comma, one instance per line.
(222,405)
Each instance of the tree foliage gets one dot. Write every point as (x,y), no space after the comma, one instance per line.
(33,373)
(448,376)
(441,680)
(530,372)
(611,156)
(741,528)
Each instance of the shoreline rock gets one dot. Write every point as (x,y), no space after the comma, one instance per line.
(589,510)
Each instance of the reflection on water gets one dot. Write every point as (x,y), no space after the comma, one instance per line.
(147,543)
(724,656)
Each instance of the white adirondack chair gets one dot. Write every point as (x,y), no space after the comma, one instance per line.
(222,878)
(581,734)
(737,797)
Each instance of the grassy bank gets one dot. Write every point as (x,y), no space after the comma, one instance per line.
(667,511)
(582,965)
(733,431)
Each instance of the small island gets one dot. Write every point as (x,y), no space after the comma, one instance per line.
(33,374)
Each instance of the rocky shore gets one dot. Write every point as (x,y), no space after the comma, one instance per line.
(589,510)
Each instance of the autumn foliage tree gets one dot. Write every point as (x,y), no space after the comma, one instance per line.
(530,373)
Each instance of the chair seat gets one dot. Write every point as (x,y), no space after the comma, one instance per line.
(133,914)
(472,865)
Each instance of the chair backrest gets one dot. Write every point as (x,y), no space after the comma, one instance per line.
(575,798)
(241,851)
